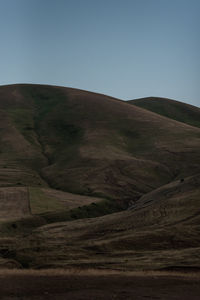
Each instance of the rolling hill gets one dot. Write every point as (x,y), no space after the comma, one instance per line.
(90,180)
(90,144)
(172,109)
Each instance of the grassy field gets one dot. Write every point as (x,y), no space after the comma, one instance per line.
(160,232)
(14,203)
(40,203)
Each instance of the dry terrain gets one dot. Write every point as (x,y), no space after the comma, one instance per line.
(172,109)
(14,203)
(89,181)
(97,285)
(69,200)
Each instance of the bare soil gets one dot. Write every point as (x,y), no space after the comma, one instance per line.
(98,287)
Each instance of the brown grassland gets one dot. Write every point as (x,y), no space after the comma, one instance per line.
(98,192)
(93,284)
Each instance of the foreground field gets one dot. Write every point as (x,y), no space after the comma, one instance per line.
(97,285)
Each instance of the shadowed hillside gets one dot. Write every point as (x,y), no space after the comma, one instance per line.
(160,231)
(172,109)
(68,157)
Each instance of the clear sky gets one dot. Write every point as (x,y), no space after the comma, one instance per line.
(124,48)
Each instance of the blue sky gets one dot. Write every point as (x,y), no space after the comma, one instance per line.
(127,49)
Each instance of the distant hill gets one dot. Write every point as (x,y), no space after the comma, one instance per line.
(176,110)
(71,155)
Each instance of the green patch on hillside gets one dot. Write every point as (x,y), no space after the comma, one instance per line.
(23,120)
(41,203)
(87,211)
(56,123)
(135,141)
(44,98)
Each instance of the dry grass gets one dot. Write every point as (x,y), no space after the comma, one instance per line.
(172,109)
(102,145)
(161,231)
(69,200)
(14,203)
(97,272)
(91,144)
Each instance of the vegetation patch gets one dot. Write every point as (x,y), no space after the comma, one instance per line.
(41,203)
(23,120)
(87,211)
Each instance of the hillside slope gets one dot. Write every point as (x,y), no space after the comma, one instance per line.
(172,109)
(69,157)
(160,232)
(90,144)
